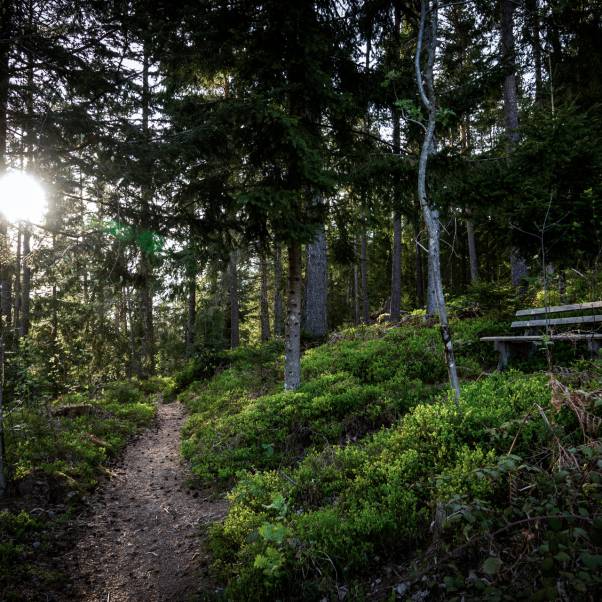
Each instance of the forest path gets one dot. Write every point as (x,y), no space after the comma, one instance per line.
(140,539)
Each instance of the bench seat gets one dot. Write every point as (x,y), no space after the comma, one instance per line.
(542,319)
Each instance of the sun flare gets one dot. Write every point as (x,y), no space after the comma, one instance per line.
(22,197)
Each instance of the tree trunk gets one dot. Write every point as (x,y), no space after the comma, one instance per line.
(264,301)
(191,315)
(26,283)
(364,277)
(17,295)
(5,275)
(5,42)
(534,24)
(6,37)
(134,360)
(395,309)
(395,305)
(147,342)
(472,251)
(356,295)
(146,307)
(316,286)
(292,353)
(518,265)
(431,214)
(509,64)
(234,309)
(278,317)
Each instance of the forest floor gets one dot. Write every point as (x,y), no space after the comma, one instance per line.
(139,540)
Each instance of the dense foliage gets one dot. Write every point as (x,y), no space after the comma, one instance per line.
(368,481)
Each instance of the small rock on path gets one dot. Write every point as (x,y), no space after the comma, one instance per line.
(141,536)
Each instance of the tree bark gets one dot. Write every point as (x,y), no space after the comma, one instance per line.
(431,214)
(5,42)
(264,301)
(234,308)
(26,282)
(356,294)
(316,286)
(534,24)
(518,265)
(472,251)
(147,342)
(191,315)
(509,64)
(395,309)
(17,292)
(6,37)
(395,305)
(292,347)
(278,311)
(364,278)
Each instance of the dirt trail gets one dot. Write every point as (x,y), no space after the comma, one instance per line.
(140,539)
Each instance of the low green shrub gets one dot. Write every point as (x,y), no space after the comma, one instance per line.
(123,392)
(346,508)
(351,387)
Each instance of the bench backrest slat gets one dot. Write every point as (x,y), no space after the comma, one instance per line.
(557,309)
(557,321)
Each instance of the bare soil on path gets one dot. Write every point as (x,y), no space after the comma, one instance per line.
(140,539)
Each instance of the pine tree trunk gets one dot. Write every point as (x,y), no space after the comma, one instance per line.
(509,64)
(395,310)
(191,316)
(134,359)
(316,286)
(431,214)
(518,265)
(5,41)
(364,277)
(533,20)
(17,295)
(233,292)
(356,295)
(147,342)
(5,275)
(292,337)
(26,282)
(6,36)
(395,305)
(278,311)
(472,251)
(264,301)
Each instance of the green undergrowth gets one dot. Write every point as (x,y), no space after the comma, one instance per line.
(57,455)
(241,419)
(440,481)
(368,483)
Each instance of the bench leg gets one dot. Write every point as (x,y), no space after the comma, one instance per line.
(504,350)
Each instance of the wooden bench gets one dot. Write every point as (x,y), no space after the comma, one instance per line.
(539,325)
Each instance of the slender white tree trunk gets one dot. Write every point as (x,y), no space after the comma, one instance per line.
(431,215)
